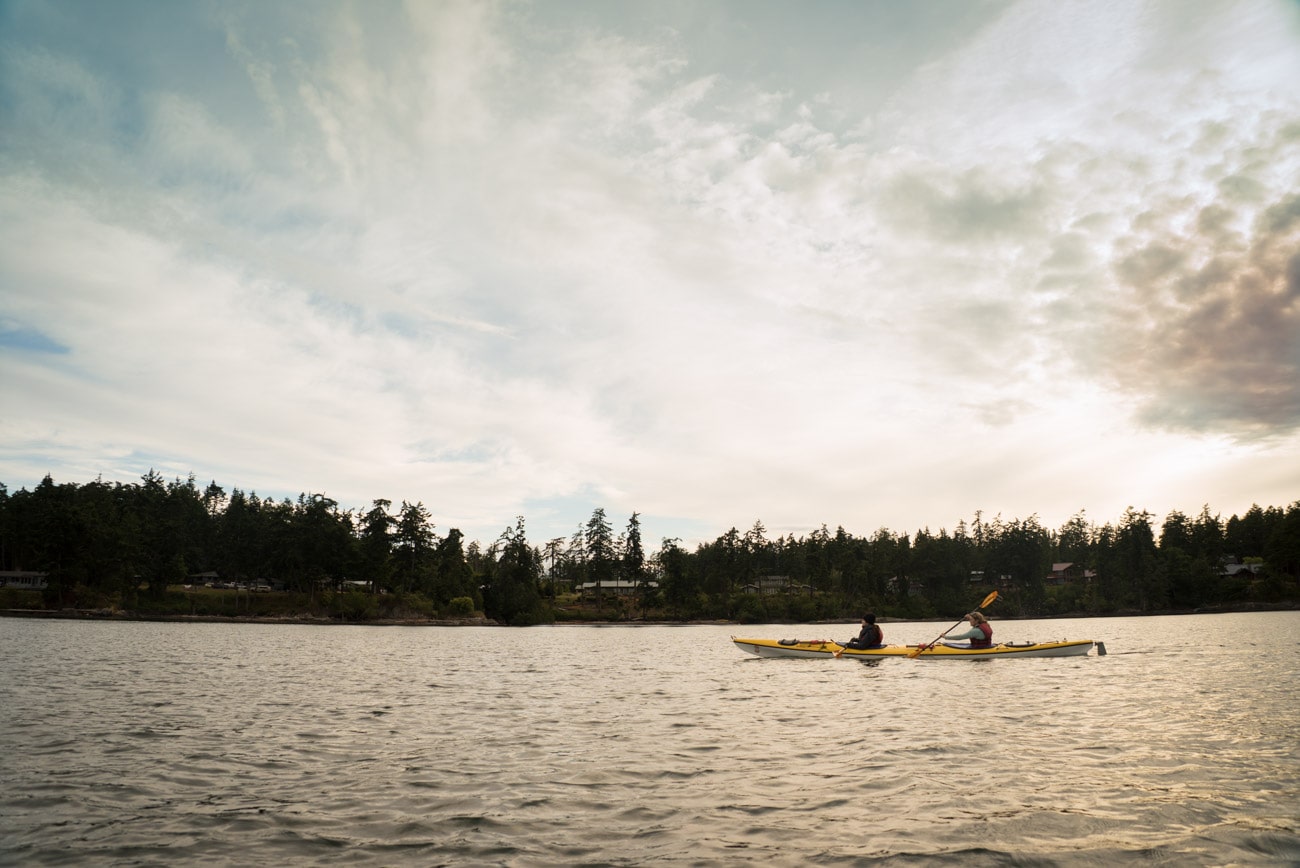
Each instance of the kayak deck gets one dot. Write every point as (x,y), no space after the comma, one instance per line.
(829,647)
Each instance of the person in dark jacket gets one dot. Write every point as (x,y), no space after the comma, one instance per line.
(871,636)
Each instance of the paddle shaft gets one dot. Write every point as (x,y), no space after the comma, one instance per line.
(919,648)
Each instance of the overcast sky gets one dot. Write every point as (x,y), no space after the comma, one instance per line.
(856,263)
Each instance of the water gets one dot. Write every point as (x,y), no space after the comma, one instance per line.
(245,744)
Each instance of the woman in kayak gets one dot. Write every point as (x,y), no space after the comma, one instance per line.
(980,633)
(871,635)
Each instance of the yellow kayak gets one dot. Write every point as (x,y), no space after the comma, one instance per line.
(829,647)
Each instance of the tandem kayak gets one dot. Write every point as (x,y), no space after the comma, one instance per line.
(828,648)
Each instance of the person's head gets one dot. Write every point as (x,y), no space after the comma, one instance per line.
(869,618)
(976,618)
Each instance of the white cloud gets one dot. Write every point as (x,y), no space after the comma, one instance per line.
(472,255)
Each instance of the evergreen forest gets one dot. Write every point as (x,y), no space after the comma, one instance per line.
(147,547)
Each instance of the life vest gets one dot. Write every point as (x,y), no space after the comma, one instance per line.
(879,638)
(987,641)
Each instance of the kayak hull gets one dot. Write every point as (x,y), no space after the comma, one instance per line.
(811,648)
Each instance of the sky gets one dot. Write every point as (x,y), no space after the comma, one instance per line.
(864,264)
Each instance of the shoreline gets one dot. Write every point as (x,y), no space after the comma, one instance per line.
(316,620)
(116,615)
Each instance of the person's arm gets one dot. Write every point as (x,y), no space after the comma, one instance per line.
(972,633)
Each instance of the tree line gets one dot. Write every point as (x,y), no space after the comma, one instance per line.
(126,544)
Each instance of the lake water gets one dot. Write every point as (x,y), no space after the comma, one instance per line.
(247,744)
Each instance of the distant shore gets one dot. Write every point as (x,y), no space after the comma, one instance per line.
(321,620)
(123,615)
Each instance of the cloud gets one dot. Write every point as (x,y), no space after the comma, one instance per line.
(1221,337)
(1204,323)
(968,210)
(1139,246)
(488,255)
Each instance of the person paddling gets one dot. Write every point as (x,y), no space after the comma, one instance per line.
(871,636)
(980,632)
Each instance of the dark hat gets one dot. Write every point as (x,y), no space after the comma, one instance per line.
(870,617)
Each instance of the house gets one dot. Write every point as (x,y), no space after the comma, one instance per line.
(617,587)
(914,587)
(1063,572)
(1068,571)
(767,585)
(23,580)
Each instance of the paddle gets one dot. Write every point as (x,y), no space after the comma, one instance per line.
(919,648)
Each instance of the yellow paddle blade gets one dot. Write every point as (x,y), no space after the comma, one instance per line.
(989,599)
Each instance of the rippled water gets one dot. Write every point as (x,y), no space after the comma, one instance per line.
(244,744)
